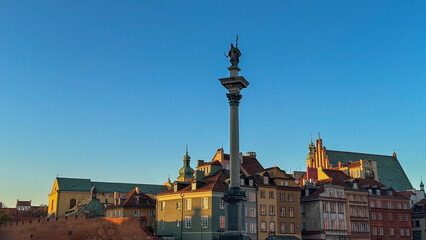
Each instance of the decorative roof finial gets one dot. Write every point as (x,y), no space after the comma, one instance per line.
(319,135)
(186,149)
(311,137)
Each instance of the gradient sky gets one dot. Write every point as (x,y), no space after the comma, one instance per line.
(113,90)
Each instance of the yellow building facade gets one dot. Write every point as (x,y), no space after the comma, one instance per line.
(67,192)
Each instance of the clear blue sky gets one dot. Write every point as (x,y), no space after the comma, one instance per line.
(113,90)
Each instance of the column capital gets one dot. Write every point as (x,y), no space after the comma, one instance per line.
(234,98)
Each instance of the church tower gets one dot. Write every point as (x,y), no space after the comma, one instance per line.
(186,173)
(310,157)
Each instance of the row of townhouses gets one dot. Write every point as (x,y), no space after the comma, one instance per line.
(341,195)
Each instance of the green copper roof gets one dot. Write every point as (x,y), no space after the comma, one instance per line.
(389,169)
(85,185)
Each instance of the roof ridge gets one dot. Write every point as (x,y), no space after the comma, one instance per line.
(375,154)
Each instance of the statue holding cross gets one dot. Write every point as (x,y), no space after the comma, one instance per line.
(234,54)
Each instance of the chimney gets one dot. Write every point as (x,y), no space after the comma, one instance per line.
(200,162)
(251,154)
(340,165)
(199,175)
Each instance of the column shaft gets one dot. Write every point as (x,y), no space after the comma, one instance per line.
(235,146)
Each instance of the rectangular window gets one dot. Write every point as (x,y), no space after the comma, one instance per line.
(204,221)
(399,205)
(353,227)
(252,212)
(405,217)
(374,231)
(401,232)
(359,227)
(265,180)
(163,206)
(340,207)
(390,217)
(282,197)
(405,206)
(222,204)
(252,197)
(162,224)
(177,223)
(391,231)
(251,183)
(271,210)
(407,232)
(400,217)
(333,224)
(379,204)
(252,227)
(291,227)
(136,213)
(379,216)
(188,204)
(283,212)
(340,225)
(222,222)
(324,206)
(188,220)
(332,207)
(204,203)
(262,209)
(263,226)
(372,204)
(272,226)
(381,231)
(373,216)
(366,227)
(290,197)
(283,228)
(242,182)
(262,194)
(271,194)
(325,224)
(178,205)
(389,205)
(291,212)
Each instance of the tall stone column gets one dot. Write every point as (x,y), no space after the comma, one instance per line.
(234,197)
(234,102)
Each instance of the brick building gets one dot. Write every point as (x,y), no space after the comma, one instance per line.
(390,215)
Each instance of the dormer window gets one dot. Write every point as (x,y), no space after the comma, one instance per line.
(251,183)
(265,180)
(377,191)
(282,183)
(242,182)
(370,191)
(194,186)
(286,183)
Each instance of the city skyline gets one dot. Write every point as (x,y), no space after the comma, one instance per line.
(110,91)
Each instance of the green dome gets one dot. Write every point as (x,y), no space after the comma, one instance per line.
(186,170)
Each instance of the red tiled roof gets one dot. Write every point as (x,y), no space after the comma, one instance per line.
(216,163)
(213,183)
(337,177)
(24,203)
(134,199)
(354,164)
(406,194)
(251,165)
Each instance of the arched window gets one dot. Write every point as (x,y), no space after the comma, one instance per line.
(72,203)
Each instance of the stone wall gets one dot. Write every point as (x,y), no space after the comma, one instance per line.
(77,228)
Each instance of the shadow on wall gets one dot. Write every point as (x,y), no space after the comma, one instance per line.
(76,228)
